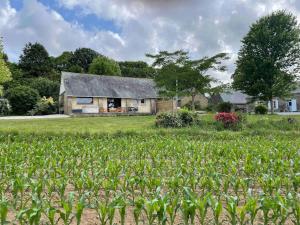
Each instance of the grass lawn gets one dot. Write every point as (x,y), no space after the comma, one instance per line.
(80,125)
(116,124)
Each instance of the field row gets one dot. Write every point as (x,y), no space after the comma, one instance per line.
(158,179)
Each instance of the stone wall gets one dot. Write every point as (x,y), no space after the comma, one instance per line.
(100,105)
(165,106)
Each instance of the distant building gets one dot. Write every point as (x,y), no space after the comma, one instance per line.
(167,105)
(290,104)
(239,100)
(242,102)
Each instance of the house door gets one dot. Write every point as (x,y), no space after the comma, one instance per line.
(292,105)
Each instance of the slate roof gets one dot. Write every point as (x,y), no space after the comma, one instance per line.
(234,97)
(87,85)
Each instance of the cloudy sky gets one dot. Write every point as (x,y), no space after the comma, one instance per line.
(127,29)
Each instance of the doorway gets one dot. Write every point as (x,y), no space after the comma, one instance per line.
(114,105)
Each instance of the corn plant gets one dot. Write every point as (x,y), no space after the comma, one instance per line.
(121,206)
(66,213)
(138,208)
(188,206)
(216,206)
(252,208)
(172,208)
(106,211)
(202,205)
(4,210)
(231,207)
(266,205)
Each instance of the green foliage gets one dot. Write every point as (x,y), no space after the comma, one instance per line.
(168,120)
(179,75)
(45,106)
(261,109)
(165,178)
(22,99)
(182,118)
(268,61)
(35,61)
(187,117)
(15,70)
(224,107)
(5,74)
(45,87)
(82,58)
(104,66)
(4,107)
(63,62)
(136,69)
(76,69)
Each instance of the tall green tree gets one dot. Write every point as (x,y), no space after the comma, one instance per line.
(5,74)
(137,69)
(104,66)
(179,75)
(35,61)
(62,62)
(268,62)
(169,68)
(83,57)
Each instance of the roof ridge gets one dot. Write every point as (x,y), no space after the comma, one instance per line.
(97,75)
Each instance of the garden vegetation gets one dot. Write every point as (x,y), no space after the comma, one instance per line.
(158,176)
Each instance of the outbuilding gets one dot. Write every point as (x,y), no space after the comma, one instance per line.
(97,94)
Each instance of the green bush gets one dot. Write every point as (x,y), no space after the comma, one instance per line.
(182,118)
(261,109)
(45,106)
(4,107)
(242,117)
(187,117)
(168,120)
(224,107)
(22,99)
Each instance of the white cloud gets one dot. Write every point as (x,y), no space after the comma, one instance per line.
(37,23)
(6,13)
(203,27)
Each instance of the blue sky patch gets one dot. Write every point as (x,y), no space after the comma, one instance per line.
(90,22)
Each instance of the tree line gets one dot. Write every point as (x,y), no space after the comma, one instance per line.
(267,67)
(36,75)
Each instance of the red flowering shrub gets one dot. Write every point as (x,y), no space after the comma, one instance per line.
(229,120)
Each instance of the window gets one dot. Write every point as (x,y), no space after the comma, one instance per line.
(84,101)
(142,101)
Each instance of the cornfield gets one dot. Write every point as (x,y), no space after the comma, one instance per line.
(225,178)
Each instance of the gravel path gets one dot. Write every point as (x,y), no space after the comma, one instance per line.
(288,113)
(56,116)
